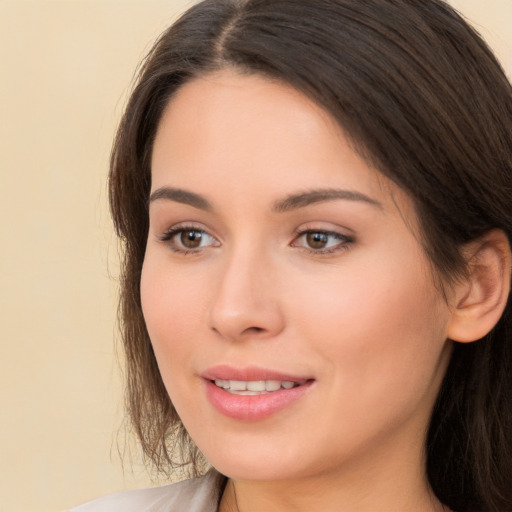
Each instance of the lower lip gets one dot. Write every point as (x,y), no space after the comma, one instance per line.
(255,407)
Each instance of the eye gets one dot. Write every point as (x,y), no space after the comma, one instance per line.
(187,239)
(322,242)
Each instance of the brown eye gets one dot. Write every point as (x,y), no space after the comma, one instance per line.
(191,239)
(188,239)
(317,240)
(322,242)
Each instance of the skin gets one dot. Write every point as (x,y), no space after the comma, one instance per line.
(362,316)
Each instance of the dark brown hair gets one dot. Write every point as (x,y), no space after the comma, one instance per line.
(423,100)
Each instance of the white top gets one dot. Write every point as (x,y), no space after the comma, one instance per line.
(196,495)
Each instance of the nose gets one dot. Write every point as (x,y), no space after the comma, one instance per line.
(246,301)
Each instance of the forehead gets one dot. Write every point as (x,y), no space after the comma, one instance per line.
(247,109)
(260,137)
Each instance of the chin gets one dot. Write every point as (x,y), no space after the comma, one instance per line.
(259,461)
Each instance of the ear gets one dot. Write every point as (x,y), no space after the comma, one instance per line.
(480,299)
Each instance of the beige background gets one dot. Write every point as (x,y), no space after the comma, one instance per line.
(65,67)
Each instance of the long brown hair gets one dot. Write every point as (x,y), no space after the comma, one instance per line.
(424,101)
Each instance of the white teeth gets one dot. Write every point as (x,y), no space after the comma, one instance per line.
(272,385)
(237,385)
(253,387)
(256,385)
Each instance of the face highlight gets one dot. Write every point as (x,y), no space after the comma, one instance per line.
(291,309)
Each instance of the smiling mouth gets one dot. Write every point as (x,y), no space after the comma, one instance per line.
(254,387)
(252,393)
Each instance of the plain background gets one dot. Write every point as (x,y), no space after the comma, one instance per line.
(65,69)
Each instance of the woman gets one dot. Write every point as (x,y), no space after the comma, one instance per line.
(315,200)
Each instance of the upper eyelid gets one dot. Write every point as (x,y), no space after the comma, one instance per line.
(334,229)
(335,234)
(187,225)
(173,230)
(302,231)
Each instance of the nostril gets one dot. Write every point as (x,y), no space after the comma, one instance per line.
(254,330)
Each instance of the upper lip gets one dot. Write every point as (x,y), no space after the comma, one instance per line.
(249,373)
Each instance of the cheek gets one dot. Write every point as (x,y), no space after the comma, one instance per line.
(382,333)
(173,310)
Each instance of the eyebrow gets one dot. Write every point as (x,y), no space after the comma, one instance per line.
(291,202)
(304,199)
(181,196)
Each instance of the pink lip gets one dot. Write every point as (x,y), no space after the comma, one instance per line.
(226,372)
(257,407)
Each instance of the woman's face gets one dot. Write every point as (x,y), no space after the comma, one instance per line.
(291,308)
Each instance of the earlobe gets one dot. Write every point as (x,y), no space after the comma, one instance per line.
(480,299)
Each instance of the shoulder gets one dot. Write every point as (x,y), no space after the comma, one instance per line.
(196,495)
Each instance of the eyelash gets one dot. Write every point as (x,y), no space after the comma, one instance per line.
(344,241)
(343,244)
(170,235)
